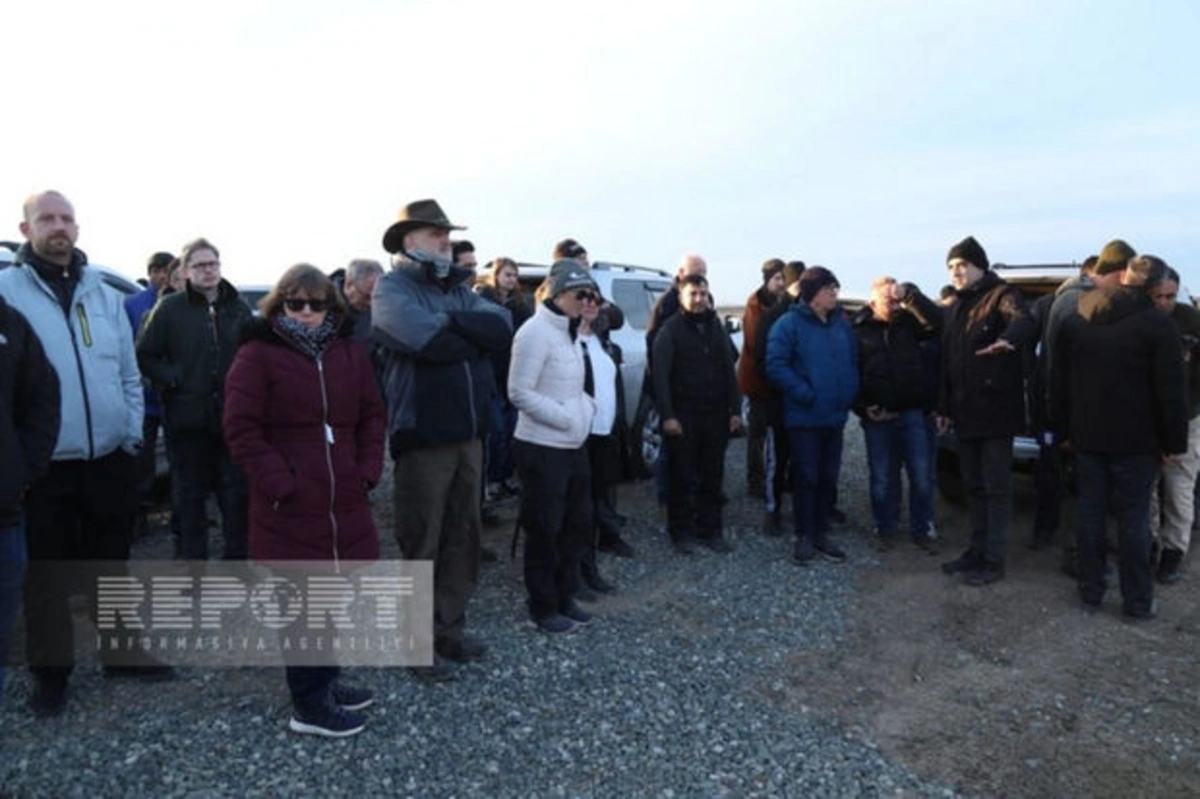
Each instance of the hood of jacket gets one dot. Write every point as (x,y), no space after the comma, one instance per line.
(1109,306)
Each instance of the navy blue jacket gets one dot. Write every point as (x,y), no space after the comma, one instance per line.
(815,364)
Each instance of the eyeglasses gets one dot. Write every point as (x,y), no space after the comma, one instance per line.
(297,304)
(583,295)
(205,265)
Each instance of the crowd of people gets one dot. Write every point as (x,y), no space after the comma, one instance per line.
(479,393)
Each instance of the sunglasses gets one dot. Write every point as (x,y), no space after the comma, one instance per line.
(297,305)
(583,295)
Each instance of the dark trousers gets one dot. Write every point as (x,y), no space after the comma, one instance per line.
(13,560)
(79,511)
(499,441)
(147,460)
(778,457)
(1048,485)
(604,461)
(986,466)
(200,465)
(310,685)
(1120,485)
(696,461)
(556,515)
(437,519)
(816,464)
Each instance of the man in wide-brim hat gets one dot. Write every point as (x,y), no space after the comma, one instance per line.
(415,216)
(437,338)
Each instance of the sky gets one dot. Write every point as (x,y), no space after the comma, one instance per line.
(866,136)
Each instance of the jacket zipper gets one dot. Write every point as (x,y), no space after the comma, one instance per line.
(87,340)
(327,437)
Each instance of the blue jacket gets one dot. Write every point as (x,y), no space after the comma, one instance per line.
(137,306)
(91,349)
(815,364)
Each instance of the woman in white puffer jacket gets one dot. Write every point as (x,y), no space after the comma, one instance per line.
(548,382)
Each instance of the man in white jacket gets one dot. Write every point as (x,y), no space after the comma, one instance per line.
(551,386)
(84,508)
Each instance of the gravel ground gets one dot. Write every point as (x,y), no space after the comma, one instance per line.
(676,690)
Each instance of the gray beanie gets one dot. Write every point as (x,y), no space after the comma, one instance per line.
(569,274)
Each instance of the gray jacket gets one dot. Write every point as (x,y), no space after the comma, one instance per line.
(436,338)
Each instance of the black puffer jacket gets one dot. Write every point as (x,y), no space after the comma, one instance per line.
(185,349)
(693,371)
(890,362)
(29,411)
(984,395)
(1118,385)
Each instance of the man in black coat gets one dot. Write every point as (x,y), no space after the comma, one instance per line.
(892,402)
(29,418)
(983,397)
(1118,397)
(695,388)
(185,349)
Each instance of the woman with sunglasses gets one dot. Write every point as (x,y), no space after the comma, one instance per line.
(304,419)
(548,382)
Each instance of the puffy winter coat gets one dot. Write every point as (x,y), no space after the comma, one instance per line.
(545,383)
(309,434)
(815,364)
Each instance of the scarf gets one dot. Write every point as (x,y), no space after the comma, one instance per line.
(312,341)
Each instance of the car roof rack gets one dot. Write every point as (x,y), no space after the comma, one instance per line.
(1037,267)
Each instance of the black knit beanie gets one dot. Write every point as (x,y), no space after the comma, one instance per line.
(969,250)
(814,279)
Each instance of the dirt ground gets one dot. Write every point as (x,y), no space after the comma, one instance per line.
(1013,689)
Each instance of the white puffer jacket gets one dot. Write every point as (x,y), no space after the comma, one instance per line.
(545,383)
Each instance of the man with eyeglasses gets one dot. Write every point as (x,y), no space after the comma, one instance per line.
(185,349)
(83,508)
(437,338)
(695,389)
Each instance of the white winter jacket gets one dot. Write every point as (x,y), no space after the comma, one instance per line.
(545,383)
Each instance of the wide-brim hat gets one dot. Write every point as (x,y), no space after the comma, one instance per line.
(419,214)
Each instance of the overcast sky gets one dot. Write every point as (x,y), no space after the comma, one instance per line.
(865,136)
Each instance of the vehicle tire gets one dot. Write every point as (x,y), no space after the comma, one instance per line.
(647,436)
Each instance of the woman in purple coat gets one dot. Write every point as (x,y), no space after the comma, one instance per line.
(304,419)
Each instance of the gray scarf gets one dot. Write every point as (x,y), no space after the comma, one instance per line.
(312,341)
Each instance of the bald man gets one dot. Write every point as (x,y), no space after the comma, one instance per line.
(84,507)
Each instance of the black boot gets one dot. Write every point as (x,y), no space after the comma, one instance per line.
(968,561)
(1168,566)
(591,575)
